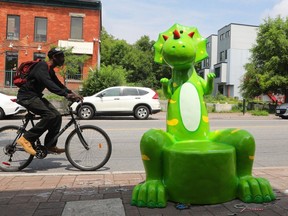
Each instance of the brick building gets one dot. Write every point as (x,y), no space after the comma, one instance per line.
(31,27)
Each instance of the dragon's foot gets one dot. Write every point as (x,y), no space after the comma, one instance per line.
(149,194)
(257,190)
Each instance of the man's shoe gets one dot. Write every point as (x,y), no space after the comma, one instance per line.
(26,145)
(56,150)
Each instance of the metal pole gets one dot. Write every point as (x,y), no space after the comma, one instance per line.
(244,106)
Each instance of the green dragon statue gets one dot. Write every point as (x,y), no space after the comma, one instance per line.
(188,163)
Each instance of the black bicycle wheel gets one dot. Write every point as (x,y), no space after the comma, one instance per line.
(93,156)
(12,156)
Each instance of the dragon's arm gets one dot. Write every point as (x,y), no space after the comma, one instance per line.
(165,87)
(208,86)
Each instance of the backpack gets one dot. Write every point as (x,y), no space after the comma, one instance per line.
(23,71)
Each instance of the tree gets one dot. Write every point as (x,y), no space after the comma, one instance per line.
(113,50)
(136,59)
(107,76)
(267,70)
(72,63)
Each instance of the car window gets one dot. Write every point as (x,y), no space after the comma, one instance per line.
(142,92)
(111,92)
(130,92)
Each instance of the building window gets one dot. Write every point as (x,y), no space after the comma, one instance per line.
(222,56)
(13,27)
(76,28)
(206,63)
(227,34)
(217,72)
(221,89)
(222,36)
(201,74)
(11,64)
(40,33)
(38,55)
(226,54)
(78,75)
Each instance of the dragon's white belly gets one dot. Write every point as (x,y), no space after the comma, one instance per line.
(190,107)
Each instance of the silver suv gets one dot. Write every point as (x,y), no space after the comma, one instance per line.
(121,101)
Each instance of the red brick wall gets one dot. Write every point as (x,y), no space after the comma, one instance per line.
(58,28)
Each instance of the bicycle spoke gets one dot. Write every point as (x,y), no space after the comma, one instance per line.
(90,157)
(12,157)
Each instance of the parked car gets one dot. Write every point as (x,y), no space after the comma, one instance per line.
(282,111)
(120,100)
(8,106)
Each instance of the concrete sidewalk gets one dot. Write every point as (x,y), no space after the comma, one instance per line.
(110,194)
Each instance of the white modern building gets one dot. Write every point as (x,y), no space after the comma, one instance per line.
(207,65)
(233,43)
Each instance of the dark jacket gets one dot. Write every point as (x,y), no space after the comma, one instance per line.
(40,78)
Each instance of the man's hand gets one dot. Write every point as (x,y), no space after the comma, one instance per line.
(74,97)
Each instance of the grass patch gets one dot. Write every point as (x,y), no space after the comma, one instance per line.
(259,113)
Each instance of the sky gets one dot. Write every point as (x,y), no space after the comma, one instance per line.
(131,19)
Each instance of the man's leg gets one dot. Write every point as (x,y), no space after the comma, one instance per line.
(39,107)
(54,127)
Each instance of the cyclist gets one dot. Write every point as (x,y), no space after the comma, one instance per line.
(30,96)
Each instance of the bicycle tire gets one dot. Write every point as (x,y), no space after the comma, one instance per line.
(96,156)
(12,159)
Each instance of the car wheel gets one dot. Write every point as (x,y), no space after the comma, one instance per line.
(141,112)
(86,112)
(2,114)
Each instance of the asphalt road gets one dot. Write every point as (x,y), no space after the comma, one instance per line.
(271,135)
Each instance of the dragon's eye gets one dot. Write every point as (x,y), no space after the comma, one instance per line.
(181,31)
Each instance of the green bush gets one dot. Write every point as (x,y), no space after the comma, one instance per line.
(219,98)
(259,112)
(161,94)
(107,76)
(237,107)
(210,109)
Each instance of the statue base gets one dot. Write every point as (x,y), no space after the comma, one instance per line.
(200,172)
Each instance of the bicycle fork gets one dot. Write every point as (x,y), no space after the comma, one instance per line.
(81,138)
(78,131)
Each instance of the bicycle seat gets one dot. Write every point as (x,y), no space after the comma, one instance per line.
(31,115)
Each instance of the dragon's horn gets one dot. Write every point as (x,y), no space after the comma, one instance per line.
(165,37)
(176,34)
(191,34)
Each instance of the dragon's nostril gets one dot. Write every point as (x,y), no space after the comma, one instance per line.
(183,46)
(173,47)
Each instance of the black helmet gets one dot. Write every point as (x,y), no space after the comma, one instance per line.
(54,51)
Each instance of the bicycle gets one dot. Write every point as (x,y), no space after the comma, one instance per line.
(87,147)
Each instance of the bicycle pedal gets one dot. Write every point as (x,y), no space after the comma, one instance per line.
(41,152)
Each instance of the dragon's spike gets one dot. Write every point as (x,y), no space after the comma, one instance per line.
(176,34)
(165,37)
(191,34)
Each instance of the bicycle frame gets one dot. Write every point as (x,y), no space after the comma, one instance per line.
(31,117)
